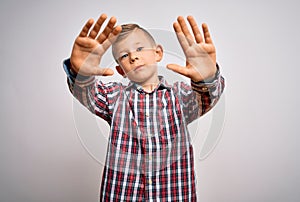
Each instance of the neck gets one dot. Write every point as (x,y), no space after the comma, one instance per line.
(150,87)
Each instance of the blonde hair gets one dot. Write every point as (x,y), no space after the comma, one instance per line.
(128,29)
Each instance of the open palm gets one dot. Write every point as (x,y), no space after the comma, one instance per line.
(200,53)
(90,46)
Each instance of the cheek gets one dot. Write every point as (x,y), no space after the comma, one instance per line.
(151,58)
(126,68)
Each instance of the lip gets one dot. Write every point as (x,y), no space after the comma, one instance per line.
(138,67)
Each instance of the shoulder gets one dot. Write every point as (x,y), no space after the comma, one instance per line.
(109,87)
(176,86)
(181,87)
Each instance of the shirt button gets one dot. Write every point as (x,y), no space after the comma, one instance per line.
(147,95)
(150,157)
(150,181)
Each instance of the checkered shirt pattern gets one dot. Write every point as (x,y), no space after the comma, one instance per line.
(149,153)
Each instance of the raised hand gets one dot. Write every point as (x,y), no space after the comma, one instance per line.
(90,46)
(200,53)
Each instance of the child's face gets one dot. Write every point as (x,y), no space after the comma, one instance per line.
(137,57)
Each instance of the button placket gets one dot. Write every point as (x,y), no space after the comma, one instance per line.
(149,135)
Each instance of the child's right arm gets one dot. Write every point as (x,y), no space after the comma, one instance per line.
(83,66)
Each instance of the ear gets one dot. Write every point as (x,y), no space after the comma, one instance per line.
(159,53)
(120,70)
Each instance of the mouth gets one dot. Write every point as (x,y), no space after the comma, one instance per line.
(138,67)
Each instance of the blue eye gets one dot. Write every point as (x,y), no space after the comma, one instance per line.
(124,56)
(139,49)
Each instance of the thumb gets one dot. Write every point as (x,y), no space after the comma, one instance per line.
(103,72)
(177,68)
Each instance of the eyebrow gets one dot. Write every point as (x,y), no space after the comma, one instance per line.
(124,50)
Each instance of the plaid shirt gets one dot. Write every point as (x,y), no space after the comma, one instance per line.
(149,155)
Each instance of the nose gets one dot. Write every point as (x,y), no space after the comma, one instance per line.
(133,57)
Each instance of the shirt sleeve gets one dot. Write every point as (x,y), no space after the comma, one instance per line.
(202,96)
(97,97)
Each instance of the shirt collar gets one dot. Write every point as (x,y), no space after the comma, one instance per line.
(163,84)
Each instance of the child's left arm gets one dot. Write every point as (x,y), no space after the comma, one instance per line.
(201,68)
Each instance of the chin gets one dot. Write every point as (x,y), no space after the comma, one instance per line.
(138,80)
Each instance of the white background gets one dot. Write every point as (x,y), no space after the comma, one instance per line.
(42,158)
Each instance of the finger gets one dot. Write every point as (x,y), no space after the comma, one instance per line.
(185,29)
(96,71)
(180,36)
(108,29)
(94,32)
(195,29)
(111,38)
(85,30)
(177,68)
(85,42)
(206,33)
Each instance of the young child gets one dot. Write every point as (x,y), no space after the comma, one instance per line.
(149,154)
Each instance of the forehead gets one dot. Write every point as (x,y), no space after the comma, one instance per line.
(134,38)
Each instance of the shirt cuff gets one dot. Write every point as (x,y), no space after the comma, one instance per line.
(205,85)
(73,76)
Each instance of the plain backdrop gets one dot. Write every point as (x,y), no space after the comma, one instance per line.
(256,160)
